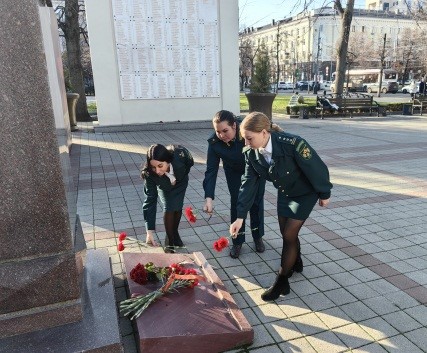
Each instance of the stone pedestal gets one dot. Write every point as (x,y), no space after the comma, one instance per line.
(42,269)
(203,319)
(39,277)
(96,332)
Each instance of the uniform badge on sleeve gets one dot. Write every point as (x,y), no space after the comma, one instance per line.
(305,152)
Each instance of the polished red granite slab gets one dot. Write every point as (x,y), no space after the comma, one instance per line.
(204,319)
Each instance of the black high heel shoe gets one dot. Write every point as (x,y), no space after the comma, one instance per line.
(280,286)
(177,241)
(169,249)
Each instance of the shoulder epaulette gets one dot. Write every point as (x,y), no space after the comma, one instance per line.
(213,139)
(184,153)
(246,149)
(289,139)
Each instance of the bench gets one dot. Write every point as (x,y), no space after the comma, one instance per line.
(293,103)
(349,102)
(418,102)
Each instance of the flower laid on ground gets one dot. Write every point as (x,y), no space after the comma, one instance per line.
(189,213)
(122,237)
(220,244)
(177,277)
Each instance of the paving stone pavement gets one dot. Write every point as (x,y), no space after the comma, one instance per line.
(364,285)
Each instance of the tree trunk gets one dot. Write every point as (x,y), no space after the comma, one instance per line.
(72,39)
(346,18)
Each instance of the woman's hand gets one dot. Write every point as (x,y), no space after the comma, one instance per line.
(208,207)
(150,238)
(235,227)
(323,203)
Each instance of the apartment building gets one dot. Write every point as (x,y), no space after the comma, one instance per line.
(307,43)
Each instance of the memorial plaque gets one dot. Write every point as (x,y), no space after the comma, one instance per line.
(203,319)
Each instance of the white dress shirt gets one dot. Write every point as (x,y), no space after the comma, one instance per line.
(170,174)
(267,151)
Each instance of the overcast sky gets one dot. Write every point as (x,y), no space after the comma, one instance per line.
(261,12)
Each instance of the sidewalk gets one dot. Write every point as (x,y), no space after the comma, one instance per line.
(364,285)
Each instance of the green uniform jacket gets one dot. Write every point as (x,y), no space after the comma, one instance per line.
(173,194)
(232,157)
(295,170)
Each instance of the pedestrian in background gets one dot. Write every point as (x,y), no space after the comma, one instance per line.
(226,144)
(422,87)
(165,174)
(300,177)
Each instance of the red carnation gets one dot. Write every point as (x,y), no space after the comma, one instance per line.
(120,247)
(220,244)
(122,236)
(223,241)
(190,214)
(217,247)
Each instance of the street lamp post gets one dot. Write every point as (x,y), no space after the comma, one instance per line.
(382,66)
(316,71)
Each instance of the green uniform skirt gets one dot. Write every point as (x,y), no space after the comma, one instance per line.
(298,207)
(173,200)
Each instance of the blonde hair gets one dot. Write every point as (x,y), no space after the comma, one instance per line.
(256,122)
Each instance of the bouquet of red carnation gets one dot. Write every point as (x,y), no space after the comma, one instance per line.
(178,277)
(189,213)
(220,244)
(142,274)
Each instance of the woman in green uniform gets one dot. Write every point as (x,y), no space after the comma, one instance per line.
(300,177)
(165,173)
(226,144)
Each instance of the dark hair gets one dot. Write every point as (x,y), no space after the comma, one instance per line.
(224,115)
(159,153)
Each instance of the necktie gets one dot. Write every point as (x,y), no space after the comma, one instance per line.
(266,154)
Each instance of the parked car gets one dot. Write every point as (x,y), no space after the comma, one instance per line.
(309,85)
(413,87)
(285,85)
(387,87)
(299,83)
(325,85)
(303,85)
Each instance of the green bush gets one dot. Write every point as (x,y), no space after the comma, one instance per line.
(260,82)
(394,107)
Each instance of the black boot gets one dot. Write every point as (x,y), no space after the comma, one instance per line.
(280,286)
(299,266)
(235,251)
